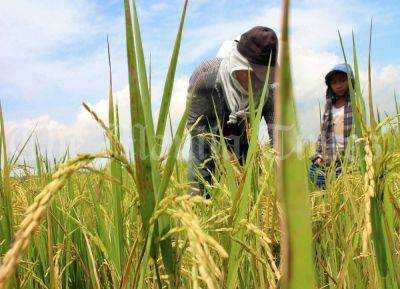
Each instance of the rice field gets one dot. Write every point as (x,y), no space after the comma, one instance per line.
(129,222)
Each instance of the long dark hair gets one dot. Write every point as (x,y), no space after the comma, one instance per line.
(331,95)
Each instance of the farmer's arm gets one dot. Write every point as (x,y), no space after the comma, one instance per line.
(201,118)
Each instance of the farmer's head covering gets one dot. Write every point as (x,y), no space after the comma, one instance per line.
(338,68)
(252,52)
(257,45)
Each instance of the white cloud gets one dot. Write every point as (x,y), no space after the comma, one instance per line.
(84,134)
(54,137)
(314,28)
(385,83)
(309,68)
(44,23)
(314,25)
(56,48)
(202,40)
(178,99)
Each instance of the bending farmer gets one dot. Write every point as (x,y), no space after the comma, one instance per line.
(223,82)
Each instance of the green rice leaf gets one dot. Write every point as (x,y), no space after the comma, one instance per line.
(298,266)
(169,83)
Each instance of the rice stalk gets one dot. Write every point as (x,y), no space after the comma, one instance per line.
(142,162)
(242,220)
(200,243)
(370,97)
(265,241)
(297,262)
(241,194)
(117,196)
(169,82)
(36,212)
(369,189)
(7,220)
(92,267)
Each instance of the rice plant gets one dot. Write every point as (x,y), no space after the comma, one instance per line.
(128,222)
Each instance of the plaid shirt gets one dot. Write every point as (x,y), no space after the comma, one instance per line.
(326,144)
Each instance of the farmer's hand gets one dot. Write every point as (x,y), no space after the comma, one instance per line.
(318,161)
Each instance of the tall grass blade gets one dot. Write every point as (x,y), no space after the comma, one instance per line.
(397,109)
(143,177)
(50,254)
(359,99)
(353,97)
(92,266)
(298,267)
(137,58)
(6,201)
(169,83)
(357,104)
(142,78)
(118,242)
(173,153)
(16,156)
(241,197)
(140,144)
(7,221)
(178,175)
(149,127)
(370,98)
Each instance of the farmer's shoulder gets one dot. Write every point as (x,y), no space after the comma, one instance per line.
(205,73)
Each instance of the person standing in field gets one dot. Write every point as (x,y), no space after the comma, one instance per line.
(219,91)
(336,125)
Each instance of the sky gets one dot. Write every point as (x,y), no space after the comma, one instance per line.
(54,56)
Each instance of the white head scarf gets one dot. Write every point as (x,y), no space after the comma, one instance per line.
(236,96)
